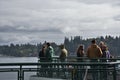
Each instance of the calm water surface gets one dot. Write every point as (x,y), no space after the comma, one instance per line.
(13,75)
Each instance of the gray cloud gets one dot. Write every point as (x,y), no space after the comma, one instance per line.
(99,1)
(8,29)
(117,18)
(23,21)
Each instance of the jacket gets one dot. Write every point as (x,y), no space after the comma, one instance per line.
(94,51)
(63,54)
(49,53)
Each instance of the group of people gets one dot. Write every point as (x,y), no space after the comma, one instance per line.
(46,53)
(93,51)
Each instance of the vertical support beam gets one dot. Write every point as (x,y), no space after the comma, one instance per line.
(18,75)
(114,73)
(73,72)
(21,73)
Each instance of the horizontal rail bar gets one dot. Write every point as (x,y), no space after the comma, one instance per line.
(60,63)
(56,67)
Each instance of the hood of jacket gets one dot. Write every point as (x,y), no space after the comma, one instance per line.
(94,46)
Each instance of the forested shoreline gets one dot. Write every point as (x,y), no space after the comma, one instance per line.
(30,50)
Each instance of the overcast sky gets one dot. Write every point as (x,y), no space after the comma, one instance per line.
(34,21)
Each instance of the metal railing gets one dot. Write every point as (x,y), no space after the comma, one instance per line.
(69,70)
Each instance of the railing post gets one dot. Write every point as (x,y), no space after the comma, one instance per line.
(18,74)
(73,74)
(114,72)
(21,73)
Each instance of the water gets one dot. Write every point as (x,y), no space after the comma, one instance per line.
(13,75)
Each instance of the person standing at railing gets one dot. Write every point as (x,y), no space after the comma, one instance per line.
(49,57)
(80,55)
(64,53)
(106,53)
(49,52)
(101,44)
(42,54)
(80,52)
(106,56)
(94,51)
(42,58)
(63,58)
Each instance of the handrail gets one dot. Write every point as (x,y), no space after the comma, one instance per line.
(75,65)
(74,59)
(59,63)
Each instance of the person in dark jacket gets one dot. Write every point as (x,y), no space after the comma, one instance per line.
(80,52)
(42,58)
(42,54)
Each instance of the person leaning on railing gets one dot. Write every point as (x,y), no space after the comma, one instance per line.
(49,58)
(63,54)
(106,53)
(63,58)
(106,57)
(80,54)
(49,52)
(42,54)
(42,58)
(94,51)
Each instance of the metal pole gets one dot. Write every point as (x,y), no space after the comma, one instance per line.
(114,73)
(20,76)
(86,72)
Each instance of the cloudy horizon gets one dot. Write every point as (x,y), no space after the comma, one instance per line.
(35,21)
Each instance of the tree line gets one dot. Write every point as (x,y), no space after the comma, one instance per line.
(71,44)
(113,43)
